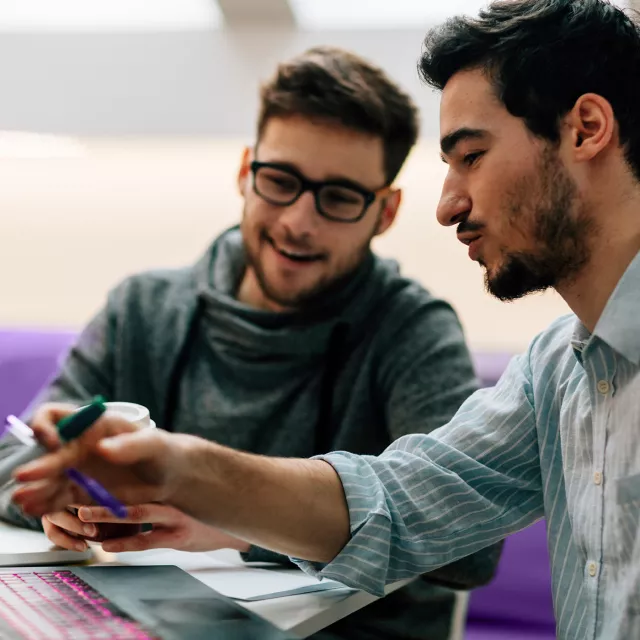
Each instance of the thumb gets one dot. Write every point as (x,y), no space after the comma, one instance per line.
(130,448)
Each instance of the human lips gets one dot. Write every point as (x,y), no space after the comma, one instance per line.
(473,241)
(294,254)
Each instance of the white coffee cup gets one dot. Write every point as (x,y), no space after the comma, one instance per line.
(134,413)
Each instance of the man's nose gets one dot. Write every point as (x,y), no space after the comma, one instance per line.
(301,217)
(454,204)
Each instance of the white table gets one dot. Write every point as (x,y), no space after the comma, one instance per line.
(301,615)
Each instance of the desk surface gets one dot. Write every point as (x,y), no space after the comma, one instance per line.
(302,614)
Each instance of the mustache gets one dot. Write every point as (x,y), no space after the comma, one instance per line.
(469,226)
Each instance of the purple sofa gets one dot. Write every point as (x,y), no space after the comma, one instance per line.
(28,358)
(515,606)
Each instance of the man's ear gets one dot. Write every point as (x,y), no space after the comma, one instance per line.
(593,126)
(389,211)
(244,170)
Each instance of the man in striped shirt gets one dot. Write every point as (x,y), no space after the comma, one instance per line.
(540,127)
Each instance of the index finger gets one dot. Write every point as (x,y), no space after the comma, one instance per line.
(74,452)
(136,514)
(50,465)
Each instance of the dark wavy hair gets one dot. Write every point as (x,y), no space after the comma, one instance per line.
(541,56)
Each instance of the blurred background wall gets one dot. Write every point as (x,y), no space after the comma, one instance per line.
(121,128)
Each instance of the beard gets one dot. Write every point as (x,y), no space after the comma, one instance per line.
(315,294)
(560,229)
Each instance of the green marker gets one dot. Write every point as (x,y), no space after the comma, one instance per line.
(74,425)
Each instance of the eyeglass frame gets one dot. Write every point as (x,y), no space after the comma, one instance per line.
(315,186)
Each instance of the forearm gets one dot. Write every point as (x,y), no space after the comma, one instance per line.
(410,515)
(294,507)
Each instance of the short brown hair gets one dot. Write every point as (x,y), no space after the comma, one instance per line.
(332,84)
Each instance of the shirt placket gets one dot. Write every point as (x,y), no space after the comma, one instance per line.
(600,367)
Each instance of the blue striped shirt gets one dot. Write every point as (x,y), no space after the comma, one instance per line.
(558,437)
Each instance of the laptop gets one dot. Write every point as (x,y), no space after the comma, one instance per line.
(159,602)
(23,547)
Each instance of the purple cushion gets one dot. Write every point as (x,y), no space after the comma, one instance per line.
(518,602)
(478,631)
(490,365)
(520,594)
(28,359)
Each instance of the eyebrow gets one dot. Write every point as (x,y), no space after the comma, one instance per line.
(449,142)
(332,178)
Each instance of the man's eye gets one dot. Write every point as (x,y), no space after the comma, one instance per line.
(282,182)
(471,158)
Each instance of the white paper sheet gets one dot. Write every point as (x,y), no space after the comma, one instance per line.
(234,580)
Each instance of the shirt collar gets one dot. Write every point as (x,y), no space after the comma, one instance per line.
(579,339)
(619,324)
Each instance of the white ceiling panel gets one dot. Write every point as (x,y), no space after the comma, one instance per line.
(185,15)
(108,15)
(387,14)
(257,13)
(378,14)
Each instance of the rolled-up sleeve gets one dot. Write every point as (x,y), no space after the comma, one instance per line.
(429,500)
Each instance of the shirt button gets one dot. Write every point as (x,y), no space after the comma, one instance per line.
(593,569)
(597,477)
(603,387)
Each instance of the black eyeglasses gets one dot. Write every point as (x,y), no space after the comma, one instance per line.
(282,186)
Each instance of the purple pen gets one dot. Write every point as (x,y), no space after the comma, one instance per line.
(96,491)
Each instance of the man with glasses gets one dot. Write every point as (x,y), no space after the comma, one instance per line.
(337,200)
(290,337)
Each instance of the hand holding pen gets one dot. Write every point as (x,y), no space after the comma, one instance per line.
(68,428)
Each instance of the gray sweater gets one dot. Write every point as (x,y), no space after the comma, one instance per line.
(378,359)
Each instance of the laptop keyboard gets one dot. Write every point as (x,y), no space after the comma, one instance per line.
(58,605)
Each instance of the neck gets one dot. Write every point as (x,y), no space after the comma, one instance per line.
(617,243)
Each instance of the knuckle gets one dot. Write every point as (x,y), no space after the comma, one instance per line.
(137,513)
